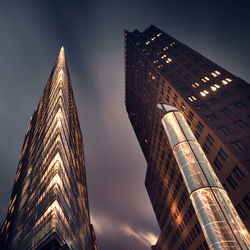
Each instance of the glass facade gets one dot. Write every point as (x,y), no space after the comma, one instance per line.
(222,227)
(51,202)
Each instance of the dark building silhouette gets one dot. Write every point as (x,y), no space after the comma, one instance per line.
(49,208)
(216,105)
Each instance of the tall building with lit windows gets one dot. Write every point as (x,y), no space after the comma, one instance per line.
(216,105)
(49,208)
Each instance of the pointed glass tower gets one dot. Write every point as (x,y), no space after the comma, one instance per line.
(49,204)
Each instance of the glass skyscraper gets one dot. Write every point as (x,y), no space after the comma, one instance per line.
(215,104)
(49,208)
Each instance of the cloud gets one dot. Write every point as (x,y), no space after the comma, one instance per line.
(106,227)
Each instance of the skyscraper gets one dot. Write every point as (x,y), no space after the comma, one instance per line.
(49,208)
(215,103)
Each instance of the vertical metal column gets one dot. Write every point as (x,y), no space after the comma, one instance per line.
(220,223)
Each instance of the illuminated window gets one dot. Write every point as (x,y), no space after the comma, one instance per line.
(192,98)
(196,84)
(206,92)
(203,80)
(206,78)
(217,86)
(159,34)
(202,93)
(213,74)
(224,82)
(153,38)
(217,72)
(148,42)
(213,88)
(168,60)
(228,79)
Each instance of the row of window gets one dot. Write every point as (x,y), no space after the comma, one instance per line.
(193,234)
(243,211)
(234,179)
(220,159)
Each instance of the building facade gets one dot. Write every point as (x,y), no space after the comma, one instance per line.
(49,208)
(215,103)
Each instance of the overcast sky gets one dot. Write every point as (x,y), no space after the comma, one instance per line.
(31,34)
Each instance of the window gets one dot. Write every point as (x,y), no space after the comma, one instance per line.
(200,126)
(212,117)
(240,105)
(239,146)
(224,131)
(222,155)
(238,174)
(226,112)
(242,213)
(204,93)
(214,100)
(169,90)
(192,98)
(190,116)
(226,94)
(175,97)
(183,106)
(239,87)
(206,148)
(201,107)
(232,182)
(218,164)
(226,188)
(197,134)
(167,98)
(246,201)
(241,124)
(210,139)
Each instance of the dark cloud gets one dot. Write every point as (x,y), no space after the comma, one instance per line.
(32,33)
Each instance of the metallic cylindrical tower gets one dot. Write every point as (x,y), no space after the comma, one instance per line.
(220,223)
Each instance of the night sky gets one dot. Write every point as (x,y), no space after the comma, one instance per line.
(31,34)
